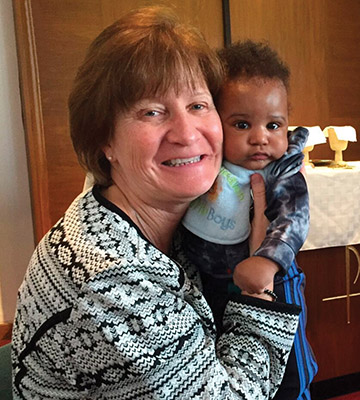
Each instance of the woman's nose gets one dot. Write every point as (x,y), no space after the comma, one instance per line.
(182,130)
(258,136)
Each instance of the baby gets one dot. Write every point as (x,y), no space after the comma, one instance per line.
(254,111)
(253,106)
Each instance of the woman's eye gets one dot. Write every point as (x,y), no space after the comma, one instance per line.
(241,125)
(198,106)
(151,113)
(273,126)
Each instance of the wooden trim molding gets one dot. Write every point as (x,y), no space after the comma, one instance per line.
(32,116)
(226,22)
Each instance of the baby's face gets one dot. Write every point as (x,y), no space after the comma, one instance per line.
(254,114)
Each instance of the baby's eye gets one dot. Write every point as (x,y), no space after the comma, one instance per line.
(241,125)
(273,126)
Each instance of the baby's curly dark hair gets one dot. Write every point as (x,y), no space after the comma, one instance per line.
(251,59)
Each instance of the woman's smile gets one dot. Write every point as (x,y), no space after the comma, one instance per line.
(177,162)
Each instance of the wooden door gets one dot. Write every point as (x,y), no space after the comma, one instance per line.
(52,37)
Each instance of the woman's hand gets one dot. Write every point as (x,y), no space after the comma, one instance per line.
(259,223)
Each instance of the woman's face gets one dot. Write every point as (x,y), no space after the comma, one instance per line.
(167,148)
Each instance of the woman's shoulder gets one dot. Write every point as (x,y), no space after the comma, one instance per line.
(87,240)
(88,248)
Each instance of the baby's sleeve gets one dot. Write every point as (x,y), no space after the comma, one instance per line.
(287,204)
(288,213)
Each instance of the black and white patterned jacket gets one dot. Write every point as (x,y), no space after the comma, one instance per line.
(103,314)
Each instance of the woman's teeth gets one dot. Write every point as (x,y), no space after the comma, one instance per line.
(182,161)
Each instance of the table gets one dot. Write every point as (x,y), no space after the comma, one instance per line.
(334,206)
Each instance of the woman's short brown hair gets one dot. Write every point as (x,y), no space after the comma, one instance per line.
(146,52)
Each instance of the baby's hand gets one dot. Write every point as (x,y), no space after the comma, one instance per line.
(255,274)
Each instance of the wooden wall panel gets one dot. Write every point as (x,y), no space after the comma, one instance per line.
(59,33)
(319,40)
(334,339)
(343,67)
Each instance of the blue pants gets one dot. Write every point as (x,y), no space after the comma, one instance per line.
(214,262)
(301,367)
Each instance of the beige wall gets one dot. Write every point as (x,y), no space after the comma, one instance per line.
(16,232)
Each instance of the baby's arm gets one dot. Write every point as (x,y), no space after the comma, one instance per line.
(288,213)
(255,274)
(287,205)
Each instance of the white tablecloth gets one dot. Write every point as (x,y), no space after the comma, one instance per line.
(334,206)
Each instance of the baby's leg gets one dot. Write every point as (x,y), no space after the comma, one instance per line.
(301,367)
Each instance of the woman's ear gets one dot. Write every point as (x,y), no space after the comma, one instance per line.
(107,150)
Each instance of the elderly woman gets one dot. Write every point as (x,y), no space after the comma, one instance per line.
(110,308)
